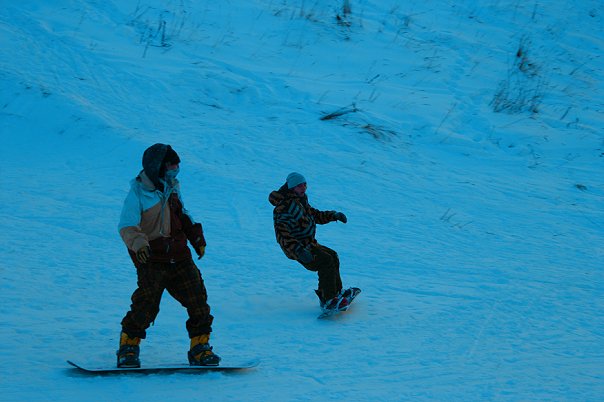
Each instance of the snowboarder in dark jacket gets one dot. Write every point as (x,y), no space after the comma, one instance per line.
(295,227)
(156,227)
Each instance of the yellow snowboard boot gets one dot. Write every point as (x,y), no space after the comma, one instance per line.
(127,355)
(201,352)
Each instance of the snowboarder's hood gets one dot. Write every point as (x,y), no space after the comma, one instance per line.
(278,196)
(152,161)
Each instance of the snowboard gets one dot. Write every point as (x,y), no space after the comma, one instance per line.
(162,368)
(330,313)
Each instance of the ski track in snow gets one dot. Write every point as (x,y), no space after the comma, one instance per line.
(475,236)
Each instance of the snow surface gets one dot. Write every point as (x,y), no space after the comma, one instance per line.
(467,150)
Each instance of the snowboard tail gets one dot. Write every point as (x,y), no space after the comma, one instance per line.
(161,369)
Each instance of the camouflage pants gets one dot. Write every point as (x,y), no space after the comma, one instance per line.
(183,281)
(327,265)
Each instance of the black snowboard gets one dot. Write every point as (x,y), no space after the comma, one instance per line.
(162,368)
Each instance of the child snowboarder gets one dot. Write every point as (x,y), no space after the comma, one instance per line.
(295,227)
(155,227)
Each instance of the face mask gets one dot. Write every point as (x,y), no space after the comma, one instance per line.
(171,174)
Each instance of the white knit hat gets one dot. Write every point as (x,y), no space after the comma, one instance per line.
(294,179)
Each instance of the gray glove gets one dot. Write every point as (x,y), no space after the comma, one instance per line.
(305,256)
(340,217)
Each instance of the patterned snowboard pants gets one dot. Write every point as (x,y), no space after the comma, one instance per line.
(183,282)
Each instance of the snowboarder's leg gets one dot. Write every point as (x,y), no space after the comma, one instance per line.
(186,285)
(145,300)
(336,269)
(327,265)
(143,310)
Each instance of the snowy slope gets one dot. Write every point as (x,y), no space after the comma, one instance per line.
(463,141)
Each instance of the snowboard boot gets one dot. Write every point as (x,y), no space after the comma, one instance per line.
(335,303)
(201,352)
(127,355)
(341,301)
(331,304)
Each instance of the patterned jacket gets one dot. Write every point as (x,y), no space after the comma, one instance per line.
(295,221)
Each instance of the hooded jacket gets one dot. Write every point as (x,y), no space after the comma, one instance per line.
(296,221)
(153,214)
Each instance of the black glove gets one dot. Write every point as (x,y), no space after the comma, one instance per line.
(305,256)
(340,217)
(199,244)
(143,254)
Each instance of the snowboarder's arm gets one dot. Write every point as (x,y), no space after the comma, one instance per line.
(129,225)
(193,230)
(323,217)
